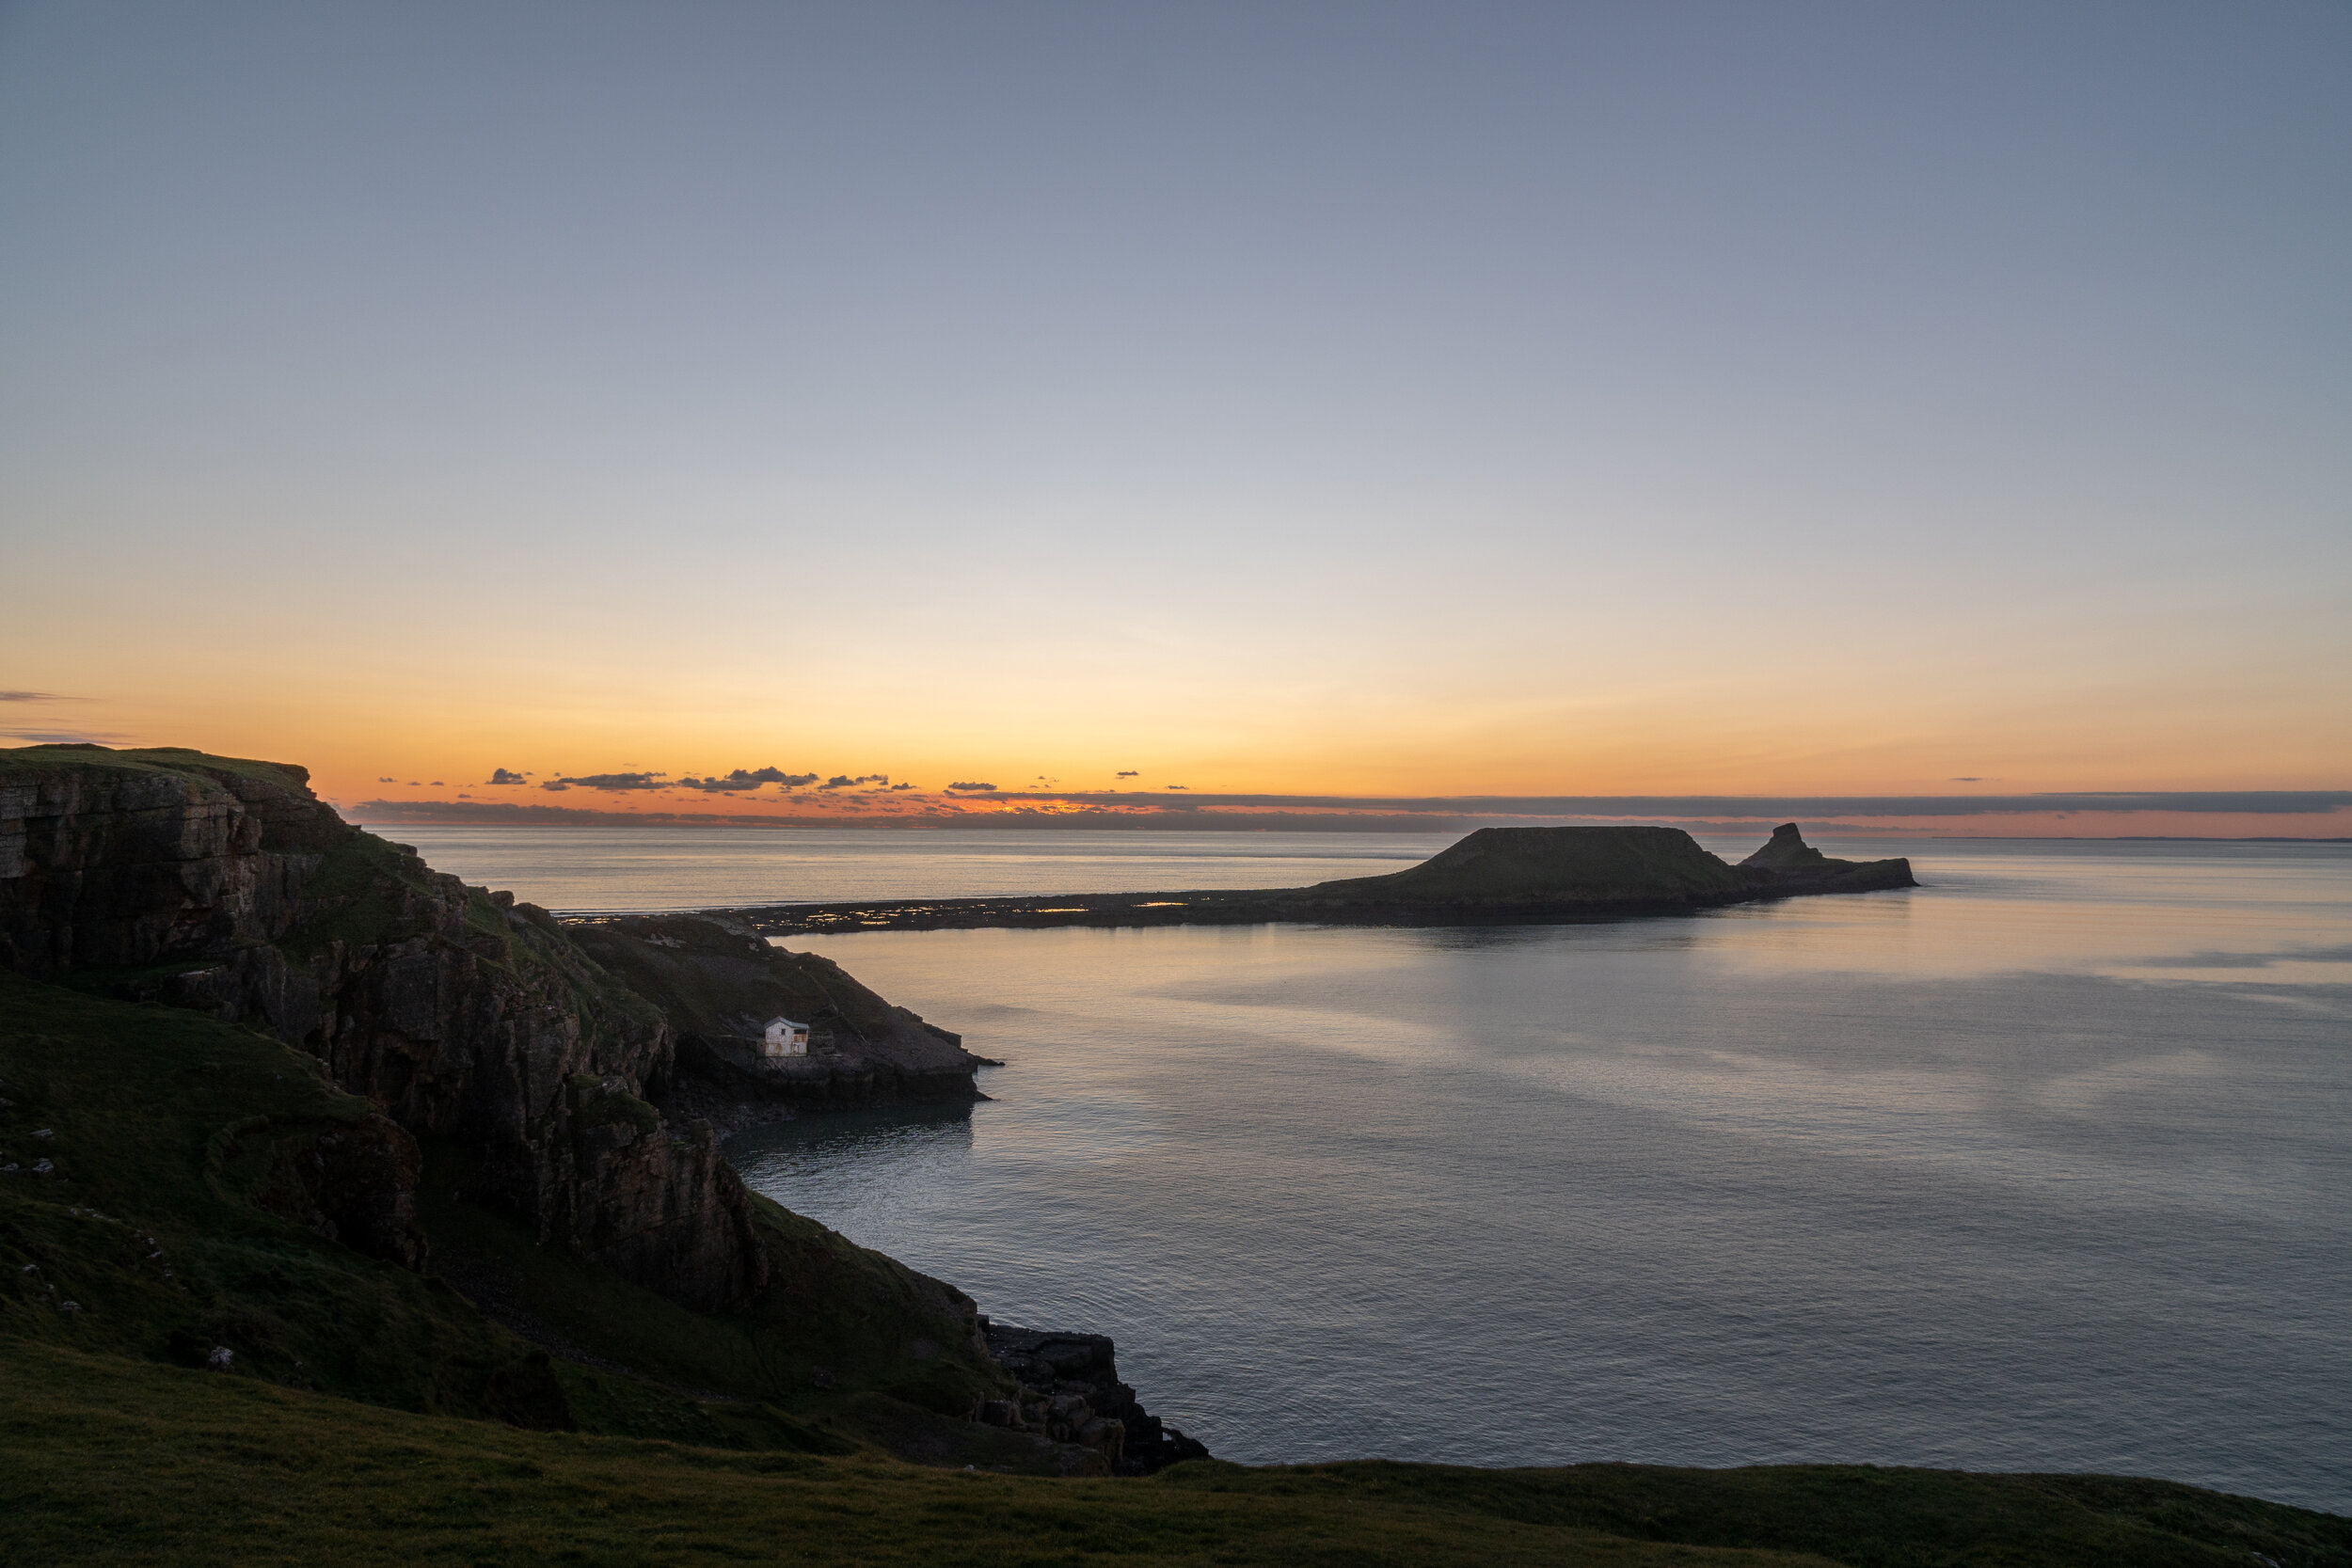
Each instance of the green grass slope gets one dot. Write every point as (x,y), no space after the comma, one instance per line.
(104,1460)
(839,1322)
(151,1237)
(162,1124)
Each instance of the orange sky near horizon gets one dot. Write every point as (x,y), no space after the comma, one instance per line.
(1771,414)
(383,734)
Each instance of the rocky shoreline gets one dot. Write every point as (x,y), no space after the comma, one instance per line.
(1069,1391)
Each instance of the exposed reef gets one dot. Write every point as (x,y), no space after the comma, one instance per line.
(1494,876)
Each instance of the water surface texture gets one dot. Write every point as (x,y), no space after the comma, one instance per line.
(606,870)
(2044,1165)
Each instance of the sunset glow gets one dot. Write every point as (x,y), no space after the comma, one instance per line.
(2001,461)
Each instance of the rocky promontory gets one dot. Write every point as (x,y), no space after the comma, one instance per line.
(1496,876)
(519,1107)
(225,886)
(719,983)
(1068,1390)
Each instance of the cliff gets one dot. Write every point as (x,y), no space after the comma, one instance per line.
(225,886)
(497,1117)
(1067,1387)
(717,982)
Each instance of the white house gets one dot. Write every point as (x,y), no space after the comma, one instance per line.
(785,1039)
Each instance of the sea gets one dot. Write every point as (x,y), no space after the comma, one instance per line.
(2044,1165)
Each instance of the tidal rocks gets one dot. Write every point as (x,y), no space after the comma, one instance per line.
(1068,1390)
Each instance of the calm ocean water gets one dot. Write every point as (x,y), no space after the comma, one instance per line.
(607,870)
(2046,1164)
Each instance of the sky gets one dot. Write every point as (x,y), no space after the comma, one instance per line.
(1370,401)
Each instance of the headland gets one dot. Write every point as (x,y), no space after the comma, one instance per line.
(1494,876)
(350,1213)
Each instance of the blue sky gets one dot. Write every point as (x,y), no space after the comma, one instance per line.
(1389,399)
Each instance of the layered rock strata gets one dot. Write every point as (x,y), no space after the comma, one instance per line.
(227,886)
(719,983)
(1069,1391)
(539,1061)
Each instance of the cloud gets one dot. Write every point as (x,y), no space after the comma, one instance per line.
(747,778)
(436,783)
(503,776)
(1131,773)
(386,778)
(1176,787)
(383,812)
(970,786)
(33,697)
(899,786)
(2260,803)
(64,737)
(842,781)
(609,782)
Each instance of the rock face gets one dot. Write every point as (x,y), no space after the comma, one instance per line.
(1786,849)
(718,982)
(357,1185)
(1069,1391)
(1787,864)
(225,885)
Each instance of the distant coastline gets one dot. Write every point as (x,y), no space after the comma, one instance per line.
(2051,816)
(558,818)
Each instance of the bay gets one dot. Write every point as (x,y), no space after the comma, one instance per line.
(2046,1164)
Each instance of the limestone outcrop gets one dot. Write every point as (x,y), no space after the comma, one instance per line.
(225,885)
(356,1184)
(1068,1390)
(718,983)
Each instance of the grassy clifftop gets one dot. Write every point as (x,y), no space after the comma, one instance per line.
(107,1460)
(150,759)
